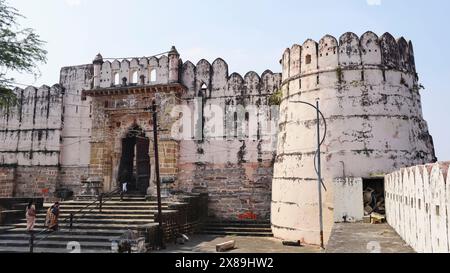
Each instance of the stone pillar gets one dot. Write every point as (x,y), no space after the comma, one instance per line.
(98,62)
(174,63)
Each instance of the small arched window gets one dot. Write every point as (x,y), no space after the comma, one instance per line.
(134,78)
(116,79)
(153,75)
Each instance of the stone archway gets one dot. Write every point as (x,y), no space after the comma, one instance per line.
(134,166)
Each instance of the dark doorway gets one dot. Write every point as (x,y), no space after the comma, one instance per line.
(134,165)
(374,196)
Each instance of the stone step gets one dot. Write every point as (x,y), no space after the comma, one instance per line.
(128,198)
(59,237)
(239,229)
(136,208)
(12,250)
(81,221)
(74,231)
(55,244)
(118,207)
(237,225)
(242,222)
(92,229)
(93,226)
(114,211)
(118,204)
(255,228)
(95,210)
(20,206)
(5,228)
(102,216)
(124,202)
(235,233)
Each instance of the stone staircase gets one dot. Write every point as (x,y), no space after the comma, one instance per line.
(91,229)
(244,228)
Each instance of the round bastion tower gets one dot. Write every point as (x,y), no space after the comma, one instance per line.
(368,91)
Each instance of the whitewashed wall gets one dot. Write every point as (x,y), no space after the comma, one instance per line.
(418,203)
(30,130)
(369,94)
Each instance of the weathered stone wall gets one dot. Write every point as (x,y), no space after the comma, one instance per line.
(70,178)
(369,93)
(233,189)
(30,130)
(233,160)
(36,181)
(30,133)
(417,206)
(7,175)
(76,132)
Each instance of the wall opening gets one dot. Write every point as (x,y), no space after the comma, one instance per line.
(134,168)
(134,78)
(308,59)
(153,75)
(116,79)
(374,196)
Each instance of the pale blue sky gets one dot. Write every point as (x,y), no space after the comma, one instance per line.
(248,34)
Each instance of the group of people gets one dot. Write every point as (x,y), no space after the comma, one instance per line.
(51,219)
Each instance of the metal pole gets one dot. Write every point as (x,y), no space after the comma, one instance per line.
(71,221)
(158,179)
(31,242)
(101,202)
(319,176)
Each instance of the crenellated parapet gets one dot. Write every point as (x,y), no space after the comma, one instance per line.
(349,52)
(214,78)
(30,130)
(217,82)
(136,71)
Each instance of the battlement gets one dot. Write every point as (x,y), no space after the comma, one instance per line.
(30,130)
(214,78)
(147,71)
(349,52)
(217,82)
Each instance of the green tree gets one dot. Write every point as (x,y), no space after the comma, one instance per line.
(21,50)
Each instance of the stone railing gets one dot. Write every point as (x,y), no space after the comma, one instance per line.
(418,206)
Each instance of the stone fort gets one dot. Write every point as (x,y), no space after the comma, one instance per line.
(95,125)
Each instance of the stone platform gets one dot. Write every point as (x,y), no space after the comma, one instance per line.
(366,238)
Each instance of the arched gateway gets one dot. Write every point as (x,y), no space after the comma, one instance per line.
(134,167)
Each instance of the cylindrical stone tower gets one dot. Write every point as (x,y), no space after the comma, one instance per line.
(369,93)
